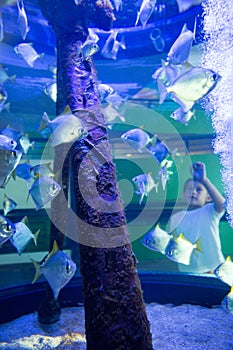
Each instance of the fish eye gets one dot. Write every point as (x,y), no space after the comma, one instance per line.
(68,268)
(7,227)
(13,153)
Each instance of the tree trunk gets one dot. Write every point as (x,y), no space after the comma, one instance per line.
(115,316)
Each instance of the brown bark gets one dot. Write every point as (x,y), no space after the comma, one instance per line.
(115,316)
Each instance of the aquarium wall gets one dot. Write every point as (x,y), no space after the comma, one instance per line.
(131,99)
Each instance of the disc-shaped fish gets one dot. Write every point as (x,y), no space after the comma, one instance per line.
(58,269)
(7,229)
(156,239)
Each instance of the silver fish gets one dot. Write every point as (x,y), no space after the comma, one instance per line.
(3,95)
(182,117)
(28,53)
(193,85)
(158,149)
(22,19)
(24,144)
(137,138)
(7,142)
(8,205)
(4,76)
(23,171)
(57,268)
(144,183)
(11,133)
(156,239)
(180,50)
(225,271)
(87,49)
(180,249)
(112,45)
(164,176)
(105,90)
(44,190)
(145,12)
(5,106)
(41,170)
(9,159)
(111,114)
(23,235)
(51,90)
(7,229)
(92,35)
(66,127)
(227,302)
(184,5)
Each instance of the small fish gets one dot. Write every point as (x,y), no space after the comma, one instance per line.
(1,28)
(182,117)
(137,138)
(157,240)
(9,159)
(112,45)
(23,171)
(52,67)
(111,114)
(66,127)
(164,176)
(184,5)
(57,268)
(28,53)
(158,149)
(24,144)
(193,85)
(11,133)
(22,19)
(3,95)
(51,90)
(8,205)
(145,12)
(144,183)
(5,106)
(7,142)
(23,235)
(92,35)
(180,249)
(7,229)
(227,302)
(225,271)
(44,190)
(180,50)
(41,170)
(87,49)
(4,76)
(105,90)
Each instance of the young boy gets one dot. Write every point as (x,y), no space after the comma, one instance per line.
(200,220)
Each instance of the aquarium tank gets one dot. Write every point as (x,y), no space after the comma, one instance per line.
(145,76)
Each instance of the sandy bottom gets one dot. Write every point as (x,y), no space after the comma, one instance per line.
(173,328)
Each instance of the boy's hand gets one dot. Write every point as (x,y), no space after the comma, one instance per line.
(198,171)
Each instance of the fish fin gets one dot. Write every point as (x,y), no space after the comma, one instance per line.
(41,57)
(198,245)
(44,121)
(36,235)
(185,28)
(228,258)
(231,290)
(162,91)
(185,104)
(32,145)
(55,248)
(67,110)
(25,220)
(12,78)
(137,19)
(38,272)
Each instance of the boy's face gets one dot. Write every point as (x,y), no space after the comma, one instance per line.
(195,194)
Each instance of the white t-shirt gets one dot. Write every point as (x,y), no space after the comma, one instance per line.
(200,223)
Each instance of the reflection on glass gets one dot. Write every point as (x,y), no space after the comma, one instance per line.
(157,39)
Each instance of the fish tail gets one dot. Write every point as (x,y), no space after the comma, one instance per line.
(12,78)
(36,235)
(162,91)
(198,245)
(38,272)
(137,19)
(44,121)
